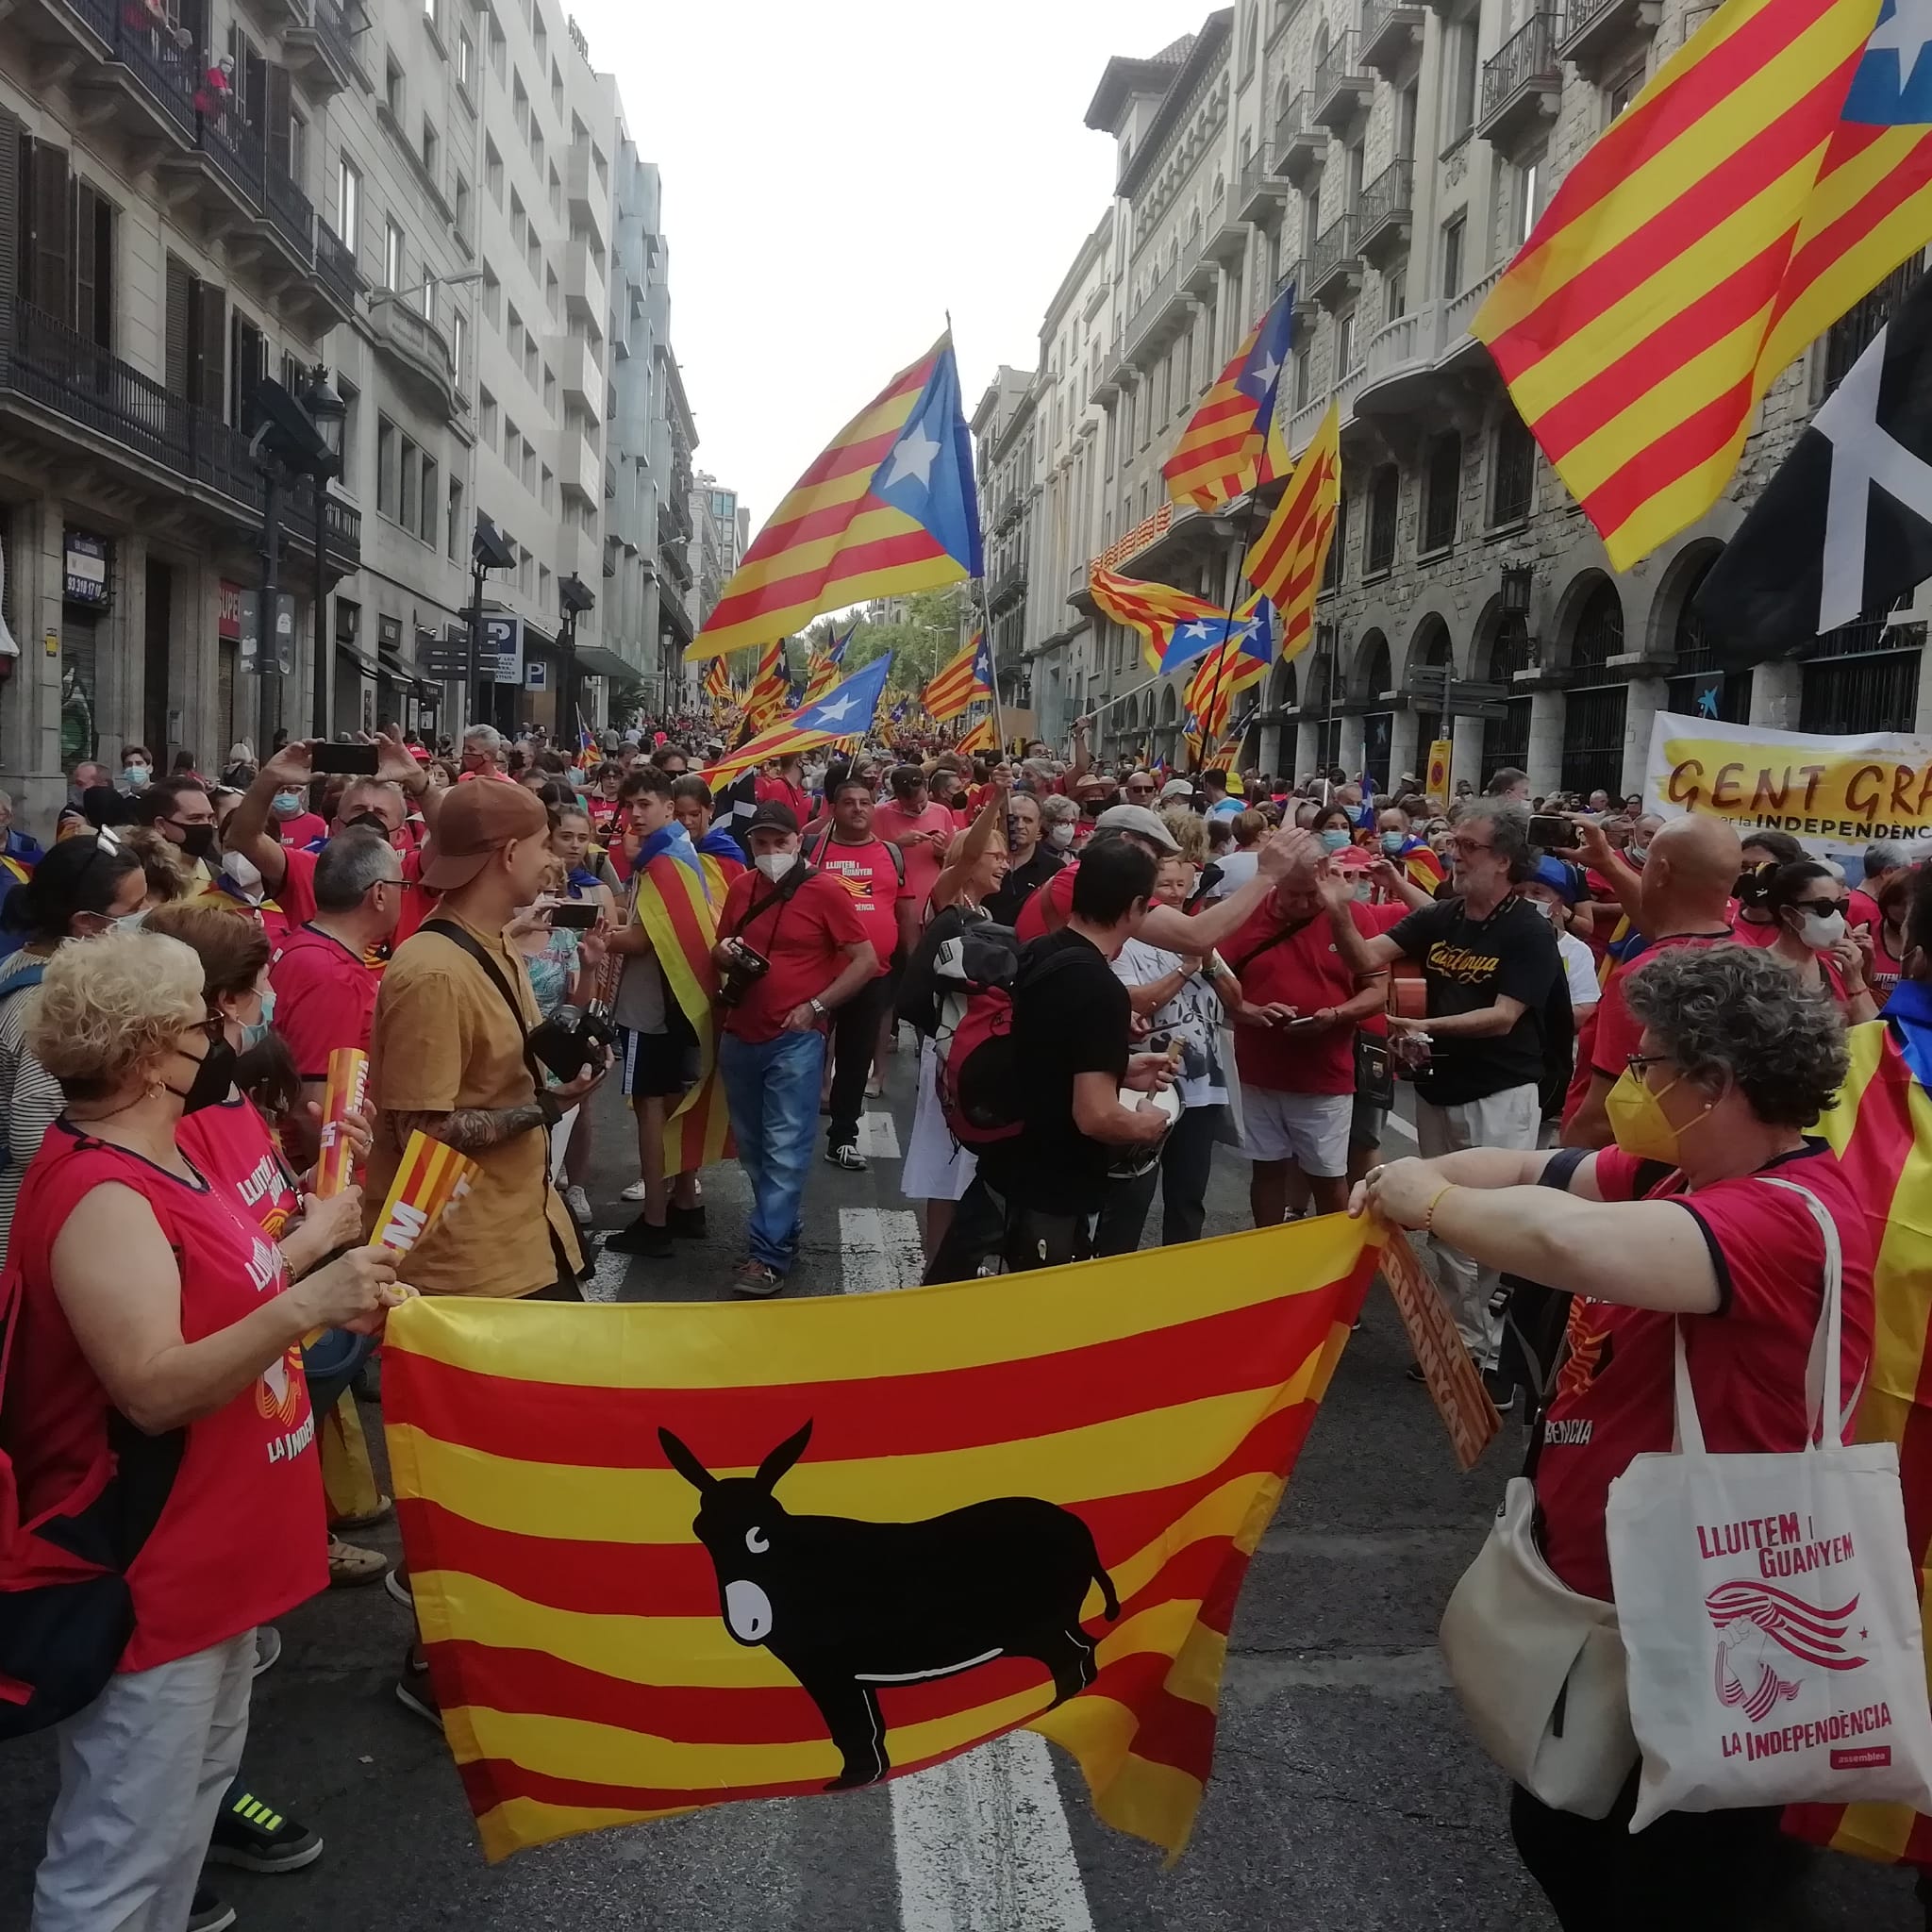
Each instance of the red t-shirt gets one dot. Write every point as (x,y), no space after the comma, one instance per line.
(1747,1362)
(1304,971)
(1885,971)
(804,940)
(240,1539)
(324,998)
(1618,1035)
(786,792)
(297,895)
(1864,909)
(231,1145)
(303,829)
(871,873)
(1058,890)
(925,860)
(1748,934)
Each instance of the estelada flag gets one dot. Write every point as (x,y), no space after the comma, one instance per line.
(982,737)
(1881,1129)
(670,1555)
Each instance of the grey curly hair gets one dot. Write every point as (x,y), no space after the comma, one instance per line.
(1509,826)
(1737,1013)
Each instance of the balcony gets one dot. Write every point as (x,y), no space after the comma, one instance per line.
(1333,266)
(134,59)
(320,47)
(1597,32)
(583,289)
(1522,80)
(579,552)
(291,216)
(578,472)
(341,524)
(1399,364)
(418,350)
(1007,590)
(1457,346)
(1341,88)
(1106,385)
(336,270)
(1200,271)
(1300,145)
(1303,312)
(576,370)
(1382,214)
(1159,316)
(1261,194)
(589,197)
(1391,36)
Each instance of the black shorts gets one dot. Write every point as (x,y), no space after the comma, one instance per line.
(656,1066)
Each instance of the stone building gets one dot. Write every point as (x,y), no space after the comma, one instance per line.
(1386,159)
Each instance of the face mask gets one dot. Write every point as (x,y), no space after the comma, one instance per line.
(197,841)
(369,822)
(255,1031)
(134,776)
(1639,1124)
(213,1078)
(774,865)
(1392,844)
(1542,908)
(1059,837)
(288,803)
(1821,935)
(1336,841)
(243,870)
(1636,854)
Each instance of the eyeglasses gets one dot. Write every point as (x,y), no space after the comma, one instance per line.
(1637,1061)
(1467,846)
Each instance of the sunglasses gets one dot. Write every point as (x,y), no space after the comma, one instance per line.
(1823,908)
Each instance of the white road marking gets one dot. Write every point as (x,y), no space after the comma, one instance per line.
(1401,1125)
(981,1843)
(606,1274)
(878,1136)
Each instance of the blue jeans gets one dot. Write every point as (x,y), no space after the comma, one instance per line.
(772,1087)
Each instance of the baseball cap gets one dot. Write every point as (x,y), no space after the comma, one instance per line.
(775,813)
(1236,784)
(1140,820)
(474,822)
(1560,877)
(1177,788)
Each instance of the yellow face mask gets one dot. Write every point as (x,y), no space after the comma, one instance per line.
(1639,1124)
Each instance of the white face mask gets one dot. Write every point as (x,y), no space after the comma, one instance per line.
(774,865)
(1059,837)
(1821,935)
(242,871)
(1542,908)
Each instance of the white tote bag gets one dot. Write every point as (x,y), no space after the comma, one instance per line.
(1770,1611)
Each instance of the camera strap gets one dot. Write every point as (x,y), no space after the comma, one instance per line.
(781,897)
(457,937)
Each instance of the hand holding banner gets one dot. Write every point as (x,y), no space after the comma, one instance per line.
(430,1181)
(342,1095)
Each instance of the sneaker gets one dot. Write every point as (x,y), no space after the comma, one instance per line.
(1414,1373)
(1502,1390)
(384,1508)
(350,1565)
(843,1154)
(756,1279)
(258,1837)
(208,1913)
(642,1237)
(874,1087)
(685,1224)
(415,1692)
(634,1192)
(397,1582)
(579,1204)
(268,1648)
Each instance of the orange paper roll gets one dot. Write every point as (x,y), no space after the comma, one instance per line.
(342,1095)
(431,1180)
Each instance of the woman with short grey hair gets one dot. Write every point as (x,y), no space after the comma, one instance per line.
(1681,1224)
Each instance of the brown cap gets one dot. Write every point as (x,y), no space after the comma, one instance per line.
(475,820)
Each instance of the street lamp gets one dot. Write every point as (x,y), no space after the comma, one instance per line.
(573,598)
(286,444)
(489,549)
(326,405)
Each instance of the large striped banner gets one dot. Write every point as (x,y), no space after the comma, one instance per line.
(671,1554)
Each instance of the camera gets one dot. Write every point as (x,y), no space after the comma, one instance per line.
(747,967)
(572,1041)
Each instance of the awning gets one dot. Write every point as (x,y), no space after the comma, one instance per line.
(595,660)
(367,666)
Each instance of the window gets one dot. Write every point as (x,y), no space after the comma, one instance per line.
(542,587)
(1512,472)
(392,256)
(499,62)
(1526,189)
(486,416)
(432,148)
(1620,93)
(512,444)
(493,300)
(493,171)
(1395,289)
(348,202)
(1344,343)
(1304,374)
(393,88)
(549,392)
(1452,256)
(352,405)
(513,335)
(551,299)
(1441,481)
(1336,560)
(556,194)
(408,503)
(431,12)
(545,483)
(460,348)
(1461,70)
(456,519)
(466,60)
(1383,496)
(386,438)
(462,208)
(432,500)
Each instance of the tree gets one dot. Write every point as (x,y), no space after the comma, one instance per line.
(934,626)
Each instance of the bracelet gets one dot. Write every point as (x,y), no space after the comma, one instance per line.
(1435,1201)
(817,1008)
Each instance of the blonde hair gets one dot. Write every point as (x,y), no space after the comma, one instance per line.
(161,864)
(111,1006)
(1190,831)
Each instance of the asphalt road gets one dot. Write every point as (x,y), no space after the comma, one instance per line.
(1347,1794)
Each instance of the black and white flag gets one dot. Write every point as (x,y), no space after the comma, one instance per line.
(1846,527)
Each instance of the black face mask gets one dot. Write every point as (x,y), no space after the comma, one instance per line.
(369,820)
(213,1078)
(197,841)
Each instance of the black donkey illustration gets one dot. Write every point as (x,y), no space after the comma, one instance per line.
(847,1606)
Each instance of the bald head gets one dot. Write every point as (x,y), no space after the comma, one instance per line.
(1692,865)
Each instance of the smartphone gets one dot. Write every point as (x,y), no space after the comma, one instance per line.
(356,758)
(1551,829)
(574,918)
(1307,1020)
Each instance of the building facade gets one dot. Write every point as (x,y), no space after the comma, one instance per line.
(437,204)
(1386,161)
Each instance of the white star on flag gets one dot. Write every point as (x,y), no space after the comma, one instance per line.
(1195,630)
(1906,32)
(912,455)
(833,714)
(1266,371)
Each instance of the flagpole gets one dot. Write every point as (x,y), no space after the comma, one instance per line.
(993,669)
(1227,627)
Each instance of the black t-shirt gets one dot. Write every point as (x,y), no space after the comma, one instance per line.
(1074,1019)
(1467,965)
(1021,882)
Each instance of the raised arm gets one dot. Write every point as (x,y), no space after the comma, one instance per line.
(1287,856)
(248,830)
(992,818)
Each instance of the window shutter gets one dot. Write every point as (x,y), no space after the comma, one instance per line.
(211,359)
(255,91)
(86,288)
(278,118)
(53,216)
(11,237)
(179,323)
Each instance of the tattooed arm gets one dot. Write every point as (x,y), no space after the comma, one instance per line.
(476,1130)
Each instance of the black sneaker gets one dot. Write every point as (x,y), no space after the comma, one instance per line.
(258,1837)
(642,1237)
(843,1154)
(208,1913)
(1502,1390)
(685,1224)
(415,1692)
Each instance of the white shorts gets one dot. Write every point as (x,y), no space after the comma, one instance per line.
(936,1168)
(1311,1129)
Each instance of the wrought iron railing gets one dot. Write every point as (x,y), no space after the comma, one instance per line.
(335,264)
(331,23)
(1339,65)
(1391,194)
(1528,57)
(1376,15)
(98,15)
(291,210)
(236,150)
(1292,123)
(165,71)
(1333,246)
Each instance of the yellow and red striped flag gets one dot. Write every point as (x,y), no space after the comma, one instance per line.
(965,678)
(1285,563)
(770,691)
(343,1091)
(981,737)
(717,685)
(1774,171)
(1881,1129)
(1219,455)
(846,711)
(431,1179)
(888,509)
(623,1524)
(1155,610)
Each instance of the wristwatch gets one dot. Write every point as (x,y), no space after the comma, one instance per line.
(547,1106)
(817,1008)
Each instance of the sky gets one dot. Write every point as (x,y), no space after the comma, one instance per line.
(838,176)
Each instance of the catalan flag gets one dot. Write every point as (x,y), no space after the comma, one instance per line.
(1157,611)
(430,1181)
(1229,667)
(770,691)
(1285,563)
(717,685)
(1031,1498)
(982,737)
(845,711)
(888,509)
(821,666)
(1777,167)
(1881,1129)
(966,678)
(1219,455)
